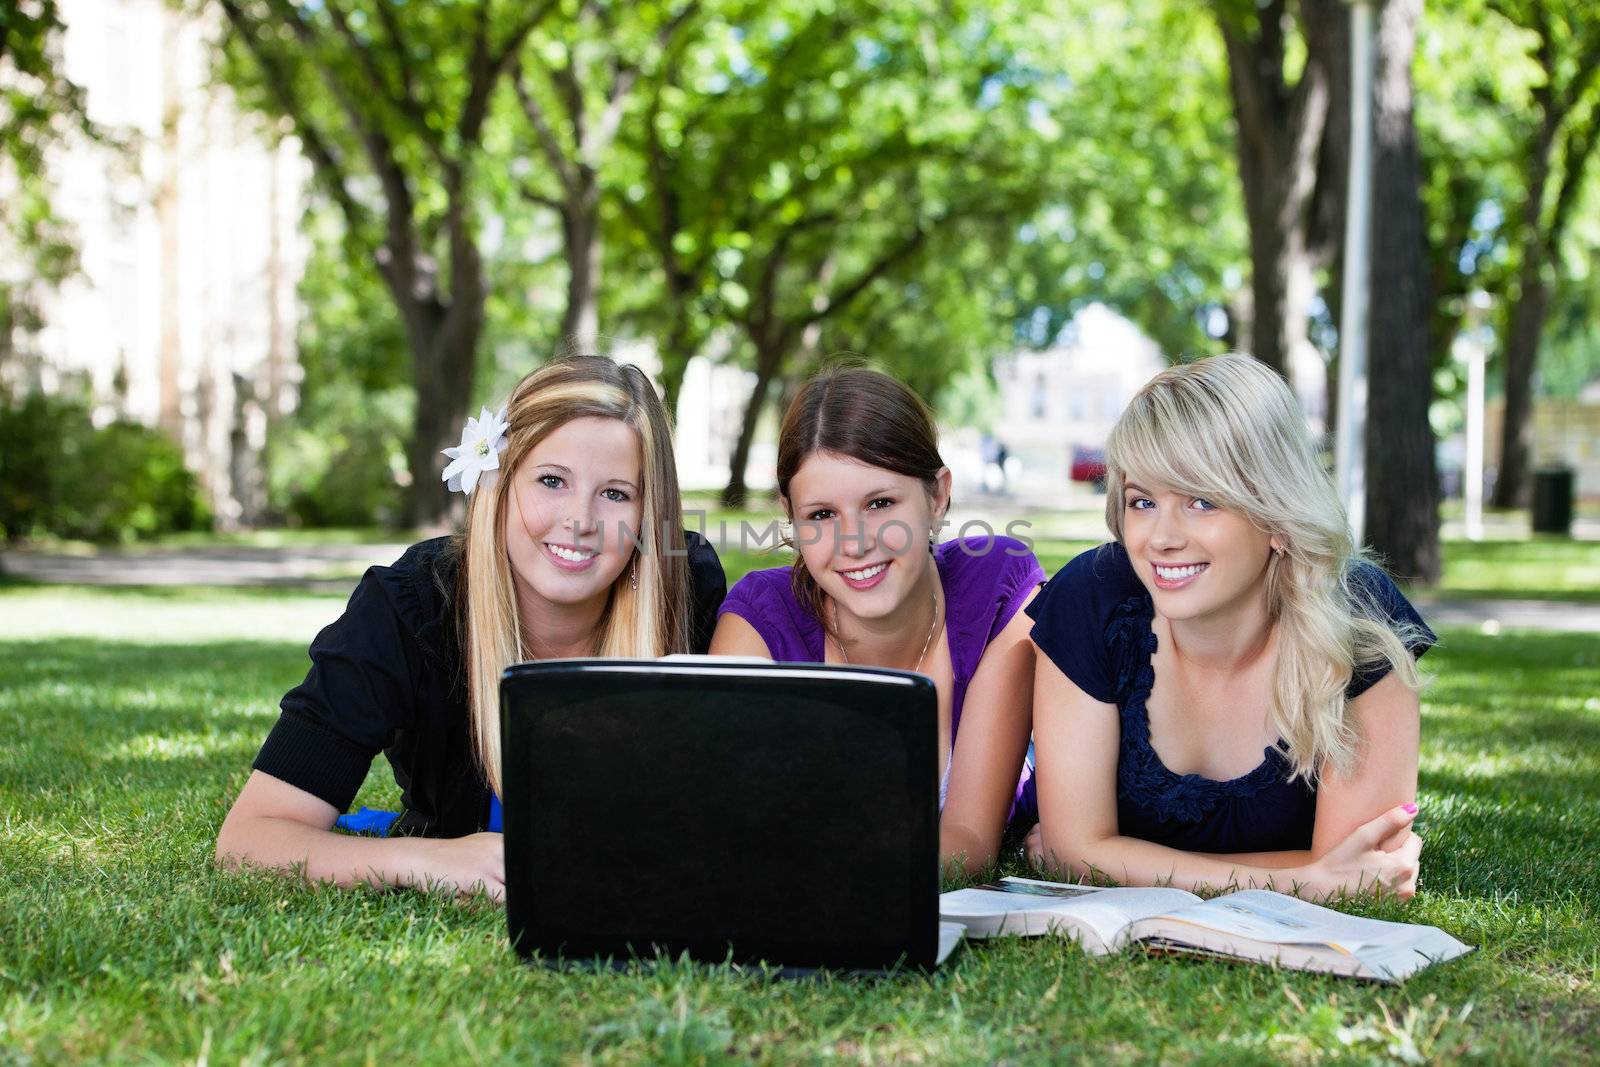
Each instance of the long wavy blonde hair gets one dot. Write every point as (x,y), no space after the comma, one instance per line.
(644,622)
(1229,430)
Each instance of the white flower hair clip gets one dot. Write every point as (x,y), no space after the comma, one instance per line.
(482,441)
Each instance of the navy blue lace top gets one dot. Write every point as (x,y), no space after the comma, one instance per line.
(1093,621)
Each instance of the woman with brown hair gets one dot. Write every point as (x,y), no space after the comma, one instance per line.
(861,479)
(576,551)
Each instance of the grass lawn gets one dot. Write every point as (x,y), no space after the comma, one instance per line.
(130,719)
(1554,568)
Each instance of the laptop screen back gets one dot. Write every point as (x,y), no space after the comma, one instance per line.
(751,812)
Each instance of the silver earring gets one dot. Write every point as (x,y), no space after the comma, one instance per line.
(635,582)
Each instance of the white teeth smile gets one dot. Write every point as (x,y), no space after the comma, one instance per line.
(569,554)
(1177,574)
(863,575)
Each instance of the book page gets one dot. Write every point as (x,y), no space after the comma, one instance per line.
(1026,907)
(1111,911)
(1009,895)
(950,935)
(1420,947)
(1285,920)
(998,908)
(1311,936)
(1034,887)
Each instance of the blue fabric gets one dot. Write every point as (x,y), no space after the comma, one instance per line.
(1093,621)
(1260,811)
(376,823)
(368,821)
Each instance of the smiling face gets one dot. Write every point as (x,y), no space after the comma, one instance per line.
(1197,559)
(573,511)
(863,530)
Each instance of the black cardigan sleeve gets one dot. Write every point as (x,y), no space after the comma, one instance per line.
(709,586)
(361,689)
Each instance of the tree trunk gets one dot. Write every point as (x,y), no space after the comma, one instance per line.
(1280,128)
(442,363)
(1558,100)
(675,354)
(1402,485)
(170,361)
(1522,350)
(1330,413)
(7,328)
(580,229)
(1526,322)
(769,358)
(1280,286)
(1327,30)
(440,370)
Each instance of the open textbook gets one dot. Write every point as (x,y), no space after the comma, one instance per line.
(1253,924)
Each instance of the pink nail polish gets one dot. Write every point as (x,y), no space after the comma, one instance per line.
(1409,809)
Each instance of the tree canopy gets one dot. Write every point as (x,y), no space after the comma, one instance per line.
(927,187)
(39,107)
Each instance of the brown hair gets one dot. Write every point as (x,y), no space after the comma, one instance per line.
(643,621)
(867,416)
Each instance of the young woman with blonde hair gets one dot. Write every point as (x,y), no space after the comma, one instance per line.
(1227,693)
(577,550)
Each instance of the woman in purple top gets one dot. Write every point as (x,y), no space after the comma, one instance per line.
(861,479)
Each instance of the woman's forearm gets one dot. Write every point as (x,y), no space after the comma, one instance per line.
(324,856)
(1276,861)
(1130,861)
(965,849)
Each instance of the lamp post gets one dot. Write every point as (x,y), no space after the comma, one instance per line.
(1470,349)
(1349,461)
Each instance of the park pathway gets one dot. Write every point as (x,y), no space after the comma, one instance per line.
(1495,615)
(335,568)
(315,568)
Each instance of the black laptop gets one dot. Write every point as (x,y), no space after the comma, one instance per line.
(734,810)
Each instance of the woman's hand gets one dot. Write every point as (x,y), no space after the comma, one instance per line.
(1382,854)
(472,864)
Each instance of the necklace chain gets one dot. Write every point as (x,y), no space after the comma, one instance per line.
(926,644)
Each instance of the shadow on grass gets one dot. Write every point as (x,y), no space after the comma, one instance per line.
(91,715)
(113,920)
(154,738)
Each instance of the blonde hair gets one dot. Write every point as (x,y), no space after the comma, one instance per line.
(1229,430)
(646,621)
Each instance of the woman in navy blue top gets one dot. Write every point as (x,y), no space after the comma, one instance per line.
(1226,695)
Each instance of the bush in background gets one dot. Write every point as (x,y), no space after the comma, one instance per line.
(340,459)
(62,477)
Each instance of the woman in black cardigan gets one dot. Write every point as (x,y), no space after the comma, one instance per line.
(578,550)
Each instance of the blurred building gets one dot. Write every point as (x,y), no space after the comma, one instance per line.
(183,313)
(1067,397)
(711,404)
(1566,433)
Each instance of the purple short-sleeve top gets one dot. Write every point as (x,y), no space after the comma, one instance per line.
(985,580)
